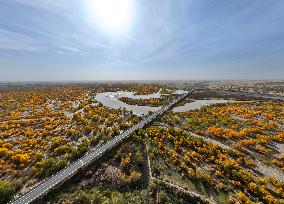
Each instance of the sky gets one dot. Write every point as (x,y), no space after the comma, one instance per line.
(75,40)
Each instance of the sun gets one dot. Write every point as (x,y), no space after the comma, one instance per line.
(111,15)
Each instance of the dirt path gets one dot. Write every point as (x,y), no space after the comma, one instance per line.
(172,185)
(149,163)
(224,146)
(181,189)
(260,166)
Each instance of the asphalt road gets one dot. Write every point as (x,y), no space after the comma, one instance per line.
(46,185)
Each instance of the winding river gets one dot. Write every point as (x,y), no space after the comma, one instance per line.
(111,100)
(197,104)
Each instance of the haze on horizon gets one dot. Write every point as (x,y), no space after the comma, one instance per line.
(51,40)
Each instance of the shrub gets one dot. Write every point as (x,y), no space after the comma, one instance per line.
(7,190)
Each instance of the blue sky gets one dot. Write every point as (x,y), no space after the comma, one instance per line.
(55,40)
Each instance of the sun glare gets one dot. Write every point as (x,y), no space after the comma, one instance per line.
(111,15)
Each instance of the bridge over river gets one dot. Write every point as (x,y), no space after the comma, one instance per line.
(63,175)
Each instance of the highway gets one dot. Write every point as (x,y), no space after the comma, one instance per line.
(54,181)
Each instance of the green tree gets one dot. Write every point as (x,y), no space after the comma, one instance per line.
(7,190)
